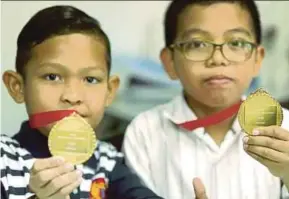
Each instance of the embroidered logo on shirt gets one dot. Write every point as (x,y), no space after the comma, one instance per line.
(97,189)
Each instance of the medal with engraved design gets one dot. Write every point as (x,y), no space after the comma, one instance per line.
(259,110)
(73,139)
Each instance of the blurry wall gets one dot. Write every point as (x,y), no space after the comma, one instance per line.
(275,70)
(135,31)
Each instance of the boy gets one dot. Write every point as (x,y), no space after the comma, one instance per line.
(214,49)
(63,63)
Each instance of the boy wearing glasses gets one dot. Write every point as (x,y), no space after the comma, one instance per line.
(178,149)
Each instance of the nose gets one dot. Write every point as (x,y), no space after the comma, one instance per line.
(218,58)
(72,93)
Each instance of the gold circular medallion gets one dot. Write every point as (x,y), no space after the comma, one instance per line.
(259,110)
(73,139)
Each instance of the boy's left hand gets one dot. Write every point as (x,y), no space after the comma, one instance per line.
(270,146)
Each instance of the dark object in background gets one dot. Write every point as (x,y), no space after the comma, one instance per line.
(116,141)
(270,36)
(285,104)
(112,130)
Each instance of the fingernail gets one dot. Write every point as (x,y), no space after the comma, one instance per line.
(69,166)
(256,132)
(245,146)
(245,139)
(59,159)
(79,173)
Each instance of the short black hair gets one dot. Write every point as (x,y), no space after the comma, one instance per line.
(55,21)
(176,7)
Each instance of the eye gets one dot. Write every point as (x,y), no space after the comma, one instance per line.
(239,44)
(92,80)
(196,44)
(52,77)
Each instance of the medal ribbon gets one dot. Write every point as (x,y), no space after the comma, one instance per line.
(44,118)
(211,119)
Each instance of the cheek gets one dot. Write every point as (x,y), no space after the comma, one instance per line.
(96,104)
(96,101)
(96,98)
(189,72)
(245,73)
(39,98)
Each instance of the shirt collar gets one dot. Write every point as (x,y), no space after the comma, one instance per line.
(178,110)
(33,141)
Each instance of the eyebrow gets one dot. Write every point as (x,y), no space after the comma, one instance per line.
(63,67)
(192,31)
(240,30)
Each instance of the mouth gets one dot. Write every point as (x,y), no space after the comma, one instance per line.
(80,114)
(218,80)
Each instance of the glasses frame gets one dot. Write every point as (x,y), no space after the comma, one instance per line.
(180,45)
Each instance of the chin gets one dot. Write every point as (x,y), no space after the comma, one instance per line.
(221,102)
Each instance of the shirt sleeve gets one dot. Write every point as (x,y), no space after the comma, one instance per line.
(136,154)
(284,192)
(15,165)
(125,184)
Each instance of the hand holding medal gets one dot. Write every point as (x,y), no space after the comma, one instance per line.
(71,141)
(260,116)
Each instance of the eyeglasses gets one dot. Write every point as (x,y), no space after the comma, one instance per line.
(198,50)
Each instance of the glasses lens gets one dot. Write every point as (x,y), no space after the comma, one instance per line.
(237,51)
(197,50)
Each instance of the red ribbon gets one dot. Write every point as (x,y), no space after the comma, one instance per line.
(43,119)
(211,119)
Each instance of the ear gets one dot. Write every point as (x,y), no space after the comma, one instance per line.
(260,54)
(166,57)
(113,85)
(15,85)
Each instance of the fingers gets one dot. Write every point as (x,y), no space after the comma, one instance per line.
(266,162)
(199,189)
(53,178)
(61,184)
(268,142)
(42,164)
(41,178)
(273,131)
(274,156)
(65,191)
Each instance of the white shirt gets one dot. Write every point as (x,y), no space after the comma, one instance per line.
(167,158)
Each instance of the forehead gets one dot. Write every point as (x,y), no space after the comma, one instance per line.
(72,50)
(216,19)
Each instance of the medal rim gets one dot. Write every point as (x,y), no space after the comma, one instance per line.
(54,130)
(264,93)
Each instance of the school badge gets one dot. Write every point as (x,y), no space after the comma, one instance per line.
(97,189)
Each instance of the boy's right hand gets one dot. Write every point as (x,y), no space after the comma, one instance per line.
(53,178)
(199,189)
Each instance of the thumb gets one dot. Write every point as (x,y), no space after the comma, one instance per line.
(199,189)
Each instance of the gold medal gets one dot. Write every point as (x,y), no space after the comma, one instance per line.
(259,110)
(73,139)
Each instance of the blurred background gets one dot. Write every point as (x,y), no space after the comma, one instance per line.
(136,33)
